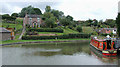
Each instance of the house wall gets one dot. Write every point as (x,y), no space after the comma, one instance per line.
(108,31)
(5,36)
(27,21)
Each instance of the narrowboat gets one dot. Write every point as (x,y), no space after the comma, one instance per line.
(99,56)
(105,47)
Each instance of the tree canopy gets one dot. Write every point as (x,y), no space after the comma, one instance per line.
(15,15)
(48,9)
(29,10)
(118,24)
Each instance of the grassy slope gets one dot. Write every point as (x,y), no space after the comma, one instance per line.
(11,25)
(87,29)
(66,31)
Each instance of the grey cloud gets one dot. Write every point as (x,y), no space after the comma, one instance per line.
(119,7)
(8,6)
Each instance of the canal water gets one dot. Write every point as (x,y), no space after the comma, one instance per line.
(76,53)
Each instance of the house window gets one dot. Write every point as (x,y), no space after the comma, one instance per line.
(38,19)
(30,20)
(114,30)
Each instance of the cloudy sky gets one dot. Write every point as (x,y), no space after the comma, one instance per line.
(79,9)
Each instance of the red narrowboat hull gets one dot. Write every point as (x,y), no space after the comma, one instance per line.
(101,46)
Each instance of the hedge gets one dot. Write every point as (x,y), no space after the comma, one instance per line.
(58,37)
(46,30)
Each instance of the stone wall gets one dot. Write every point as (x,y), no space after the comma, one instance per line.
(5,36)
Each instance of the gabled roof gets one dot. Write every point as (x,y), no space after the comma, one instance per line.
(4,30)
(33,16)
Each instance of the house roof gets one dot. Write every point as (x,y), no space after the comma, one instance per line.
(110,28)
(4,30)
(33,16)
(97,30)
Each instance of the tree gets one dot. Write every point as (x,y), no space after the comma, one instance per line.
(5,16)
(49,19)
(95,22)
(8,17)
(79,28)
(118,24)
(29,10)
(110,22)
(69,17)
(37,11)
(15,15)
(65,22)
(47,9)
(50,22)
(58,14)
(47,15)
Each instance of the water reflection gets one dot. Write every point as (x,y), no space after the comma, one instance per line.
(76,53)
(59,49)
(105,59)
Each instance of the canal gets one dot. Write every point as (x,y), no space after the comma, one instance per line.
(76,53)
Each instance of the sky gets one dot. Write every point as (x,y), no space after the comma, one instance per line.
(78,9)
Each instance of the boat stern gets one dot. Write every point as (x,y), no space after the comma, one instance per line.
(109,52)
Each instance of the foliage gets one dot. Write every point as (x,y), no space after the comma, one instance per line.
(15,15)
(29,10)
(31,33)
(110,22)
(65,22)
(19,20)
(49,19)
(94,33)
(37,11)
(69,17)
(118,24)
(50,22)
(47,9)
(47,30)
(58,14)
(79,29)
(68,36)
(105,34)
(7,17)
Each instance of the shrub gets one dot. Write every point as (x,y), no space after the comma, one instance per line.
(47,30)
(58,37)
(105,34)
(32,33)
(70,27)
(94,33)
(79,29)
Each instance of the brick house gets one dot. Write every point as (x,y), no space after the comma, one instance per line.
(5,34)
(32,20)
(108,30)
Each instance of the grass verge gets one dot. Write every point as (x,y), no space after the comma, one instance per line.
(15,41)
